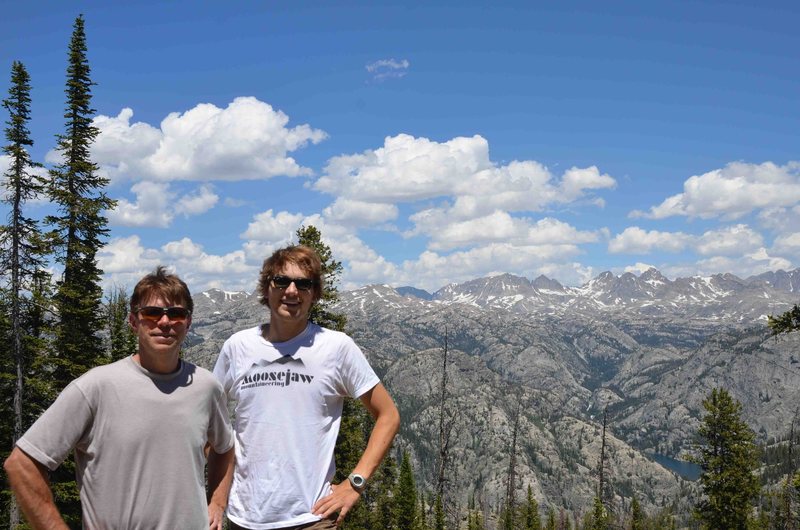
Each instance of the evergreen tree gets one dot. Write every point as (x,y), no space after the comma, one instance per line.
(728,458)
(7,386)
(356,422)
(551,519)
(785,322)
(122,341)
(22,250)
(406,495)
(637,515)
(506,519)
(532,521)
(380,500)
(320,312)
(474,515)
(438,514)
(599,516)
(80,227)
(783,505)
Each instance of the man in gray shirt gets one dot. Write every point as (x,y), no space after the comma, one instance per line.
(140,428)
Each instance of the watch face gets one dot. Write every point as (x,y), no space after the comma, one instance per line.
(357,480)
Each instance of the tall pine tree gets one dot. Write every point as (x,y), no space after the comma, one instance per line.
(406,495)
(728,458)
(598,517)
(637,515)
(356,424)
(550,523)
(22,252)
(531,512)
(80,227)
(79,230)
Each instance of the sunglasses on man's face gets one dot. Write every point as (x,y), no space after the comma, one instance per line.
(302,284)
(174,313)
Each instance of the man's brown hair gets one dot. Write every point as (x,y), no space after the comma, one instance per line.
(302,256)
(164,284)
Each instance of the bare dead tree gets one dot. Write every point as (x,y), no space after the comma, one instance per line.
(601,467)
(444,432)
(511,479)
(448,417)
(791,439)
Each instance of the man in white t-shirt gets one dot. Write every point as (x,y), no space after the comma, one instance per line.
(289,379)
(140,428)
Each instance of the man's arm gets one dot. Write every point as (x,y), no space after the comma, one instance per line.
(31,486)
(220,477)
(387,422)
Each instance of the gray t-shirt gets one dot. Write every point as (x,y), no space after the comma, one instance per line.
(138,439)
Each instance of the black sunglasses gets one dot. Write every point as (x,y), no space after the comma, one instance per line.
(154,313)
(302,284)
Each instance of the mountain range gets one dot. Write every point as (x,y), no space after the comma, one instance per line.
(552,359)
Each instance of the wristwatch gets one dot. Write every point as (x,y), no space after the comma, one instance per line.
(358,482)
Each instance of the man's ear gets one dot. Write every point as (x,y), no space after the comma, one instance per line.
(132,322)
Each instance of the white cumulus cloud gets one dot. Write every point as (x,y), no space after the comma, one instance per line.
(728,241)
(360,213)
(405,169)
(788,245)
(270,227)
(152,206)
(246,140)
(126,260)
(202,200)
(634,240)
(501,227)
(733,191)
(472,191)
(157,204)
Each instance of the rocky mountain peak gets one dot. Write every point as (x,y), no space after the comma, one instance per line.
(543,283)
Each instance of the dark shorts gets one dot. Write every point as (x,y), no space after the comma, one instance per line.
(324,524)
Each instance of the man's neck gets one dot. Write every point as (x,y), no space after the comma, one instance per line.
(158,365)
(278,331)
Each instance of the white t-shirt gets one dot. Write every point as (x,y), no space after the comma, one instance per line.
(289,398)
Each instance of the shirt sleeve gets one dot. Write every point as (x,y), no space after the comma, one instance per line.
(51,438)
(223,368)
(220,432)
(358,377)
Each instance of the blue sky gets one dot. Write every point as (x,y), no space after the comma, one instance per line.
(433,142)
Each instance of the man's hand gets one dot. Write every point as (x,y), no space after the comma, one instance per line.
(387,421)
(215,516)
(342,499)
(220,476)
